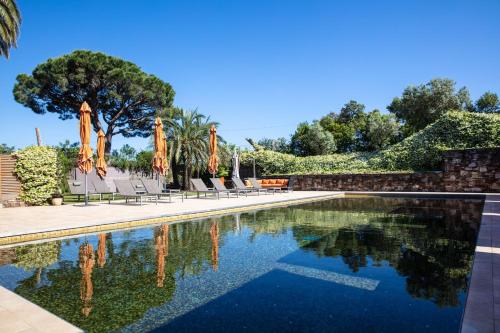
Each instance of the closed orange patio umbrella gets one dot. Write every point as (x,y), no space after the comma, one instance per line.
(158,159)
(85,153)
(165,158)
(213,162)
(100,164)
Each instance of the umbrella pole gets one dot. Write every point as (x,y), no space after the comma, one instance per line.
(86,191)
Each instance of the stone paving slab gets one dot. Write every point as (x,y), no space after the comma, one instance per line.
(482,310)
(18,315)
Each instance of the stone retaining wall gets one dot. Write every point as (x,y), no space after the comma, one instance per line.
(472,170)
(404,182)
(469,170)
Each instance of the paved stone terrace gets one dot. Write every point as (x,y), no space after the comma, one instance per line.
(43,219)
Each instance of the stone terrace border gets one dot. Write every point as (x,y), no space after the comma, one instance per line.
(21,316)
(482,310)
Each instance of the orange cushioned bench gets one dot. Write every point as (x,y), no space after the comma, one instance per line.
(273,183)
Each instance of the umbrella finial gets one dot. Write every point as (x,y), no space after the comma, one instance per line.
(85,107)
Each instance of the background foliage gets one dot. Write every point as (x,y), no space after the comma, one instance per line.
(421,151)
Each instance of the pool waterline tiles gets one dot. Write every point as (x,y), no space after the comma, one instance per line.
(348,249)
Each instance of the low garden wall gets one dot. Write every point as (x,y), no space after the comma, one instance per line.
(469,170)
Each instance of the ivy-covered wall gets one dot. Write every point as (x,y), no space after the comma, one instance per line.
(467,170)
(422,151)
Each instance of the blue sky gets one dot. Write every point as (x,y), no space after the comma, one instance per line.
(259,67)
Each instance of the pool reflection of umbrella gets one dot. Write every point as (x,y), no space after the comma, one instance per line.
(101,250)
(236,164)
(100,164)
(87,261)
(161,244)
(165,229)
(85,153)
(214,235)
(213,163)
(237,223)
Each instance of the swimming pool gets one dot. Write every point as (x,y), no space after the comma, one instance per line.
(345,265)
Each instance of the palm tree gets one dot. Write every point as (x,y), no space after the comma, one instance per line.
(188,132)
(10,20)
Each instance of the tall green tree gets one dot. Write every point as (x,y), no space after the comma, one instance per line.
(189,135)
(312,139)
(10,21)
(488,102)
(5,149)
(280,145)
(346,126)
(124,159)
(350,112)
(381,130)
(123,99)
(422,105)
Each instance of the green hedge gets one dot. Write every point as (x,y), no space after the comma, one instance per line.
(421,151)
(38,171)
(271,162)
(454,130)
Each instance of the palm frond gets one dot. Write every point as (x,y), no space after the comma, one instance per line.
(10,21)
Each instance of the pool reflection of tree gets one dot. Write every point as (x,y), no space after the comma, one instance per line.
(433,253)
(127,285)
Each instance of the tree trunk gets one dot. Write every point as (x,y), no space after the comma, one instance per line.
(175,174)
(185,181)
(109,138)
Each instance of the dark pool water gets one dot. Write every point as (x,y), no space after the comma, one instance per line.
(343,265)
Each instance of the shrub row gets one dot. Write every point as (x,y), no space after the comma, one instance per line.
(421,151)
(271,162)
